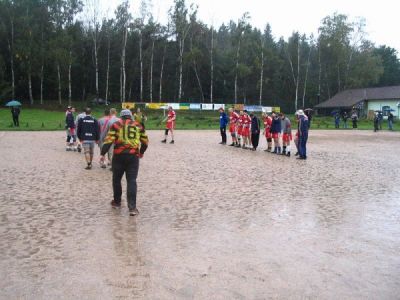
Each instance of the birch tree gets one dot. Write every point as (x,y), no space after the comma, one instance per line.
(93,16)
(295,40)
(180,16)
(123,19)
(242,24)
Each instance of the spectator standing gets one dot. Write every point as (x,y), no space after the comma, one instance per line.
(390,121)
(303,134)
(354,119)
(15,111)
(223,122)
(255,131)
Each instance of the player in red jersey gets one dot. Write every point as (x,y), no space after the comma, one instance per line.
(246,131)
(239,127)
(170,125)
(233,119)
(267,131)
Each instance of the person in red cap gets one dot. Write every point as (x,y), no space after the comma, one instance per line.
(170,125)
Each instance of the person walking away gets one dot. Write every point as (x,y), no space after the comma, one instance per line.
(15,111)
(303,134)
(70,127)
(113,119)
(267,131)
(89,135)
(354,119)
(233,119)
(223,121)
(337,121)
(130,143)
(345,117)
(170,125)
(286,134)
(103,127)
(78,117)
(276,128)
(255,131)
(390,121)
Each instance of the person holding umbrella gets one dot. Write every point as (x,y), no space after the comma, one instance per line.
(15,111)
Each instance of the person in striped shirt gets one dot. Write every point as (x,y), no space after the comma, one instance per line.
(130,143)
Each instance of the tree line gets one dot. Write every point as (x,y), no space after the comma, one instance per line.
(66,50)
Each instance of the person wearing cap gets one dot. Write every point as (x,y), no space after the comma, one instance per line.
(303,134)
(130,143)
(88,135)
(223,121)
(170,125)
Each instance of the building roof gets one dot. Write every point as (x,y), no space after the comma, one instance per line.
(349,98)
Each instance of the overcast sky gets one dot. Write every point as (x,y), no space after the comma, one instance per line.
(285,16)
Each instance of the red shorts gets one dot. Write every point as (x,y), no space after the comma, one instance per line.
(170,125)
(240,130)
(268,134)
(246,131)
(286,137)
(275,135)
(232,128)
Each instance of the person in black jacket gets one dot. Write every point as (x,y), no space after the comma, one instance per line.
(255,131)
(89,135)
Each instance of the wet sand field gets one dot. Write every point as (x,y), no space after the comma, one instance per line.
(215,222)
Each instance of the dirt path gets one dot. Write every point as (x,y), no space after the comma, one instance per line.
(215,222)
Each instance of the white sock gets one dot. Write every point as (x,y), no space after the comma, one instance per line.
(287,148)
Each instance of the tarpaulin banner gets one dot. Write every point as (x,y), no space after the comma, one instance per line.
(218,106)
(195,106)
(128,105)
(207,106)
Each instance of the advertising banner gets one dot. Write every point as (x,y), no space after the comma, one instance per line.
(276,109)
(175,106)
(218,106)
(207,106)
(156,105)
(253,108)
(195,106)
(267,109)
(184,106)
(128,105)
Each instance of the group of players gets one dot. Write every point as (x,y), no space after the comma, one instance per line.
(276,127)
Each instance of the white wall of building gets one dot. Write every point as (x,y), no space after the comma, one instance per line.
(378,104)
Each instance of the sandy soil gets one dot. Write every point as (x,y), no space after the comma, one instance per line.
(215,222)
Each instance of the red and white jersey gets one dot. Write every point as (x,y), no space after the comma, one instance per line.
(246,121)
(171,116)
(234,118)
(241,120)
(267,122)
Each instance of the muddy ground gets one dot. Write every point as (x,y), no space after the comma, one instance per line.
(215,222)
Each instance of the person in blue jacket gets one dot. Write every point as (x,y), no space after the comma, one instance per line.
(303,134)
(276,128)
(223,121)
